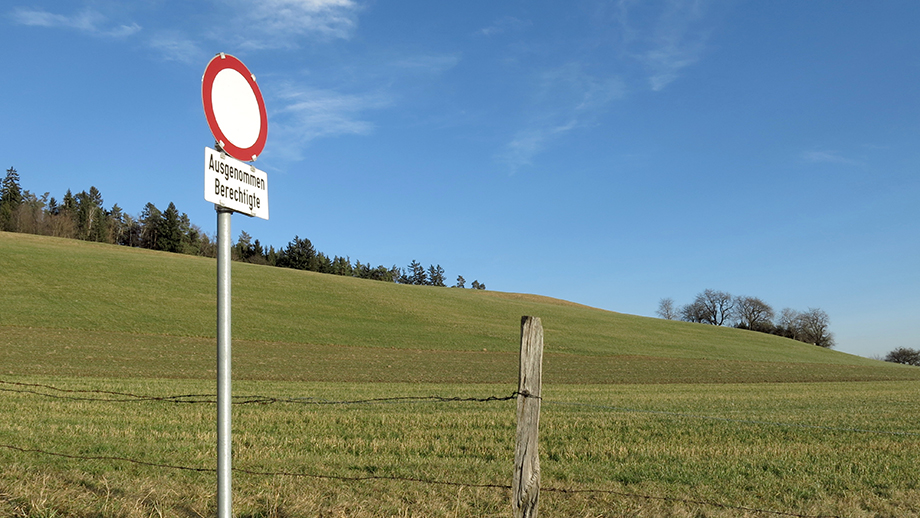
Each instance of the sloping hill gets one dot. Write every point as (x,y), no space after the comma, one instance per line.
(75,308)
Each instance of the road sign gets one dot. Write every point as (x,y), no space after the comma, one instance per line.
(236,114)
(235,185)
(234,107)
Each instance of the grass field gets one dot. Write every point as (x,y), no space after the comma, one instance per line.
(641,417)
(831,449)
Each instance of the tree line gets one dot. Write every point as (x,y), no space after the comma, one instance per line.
(904,355)
(719,308)
(83,216)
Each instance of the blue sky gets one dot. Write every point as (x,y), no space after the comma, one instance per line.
(608,153)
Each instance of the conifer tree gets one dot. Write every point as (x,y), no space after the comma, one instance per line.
(299,254)
(171,235)
(10,199)
(436,275)
(151,221)
(417,275)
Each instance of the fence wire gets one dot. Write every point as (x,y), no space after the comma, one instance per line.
(51,391)
(126,397)
(368,478)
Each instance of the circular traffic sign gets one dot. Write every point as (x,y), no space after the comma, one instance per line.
(234,107)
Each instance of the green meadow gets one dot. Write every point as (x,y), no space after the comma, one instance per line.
(640,417)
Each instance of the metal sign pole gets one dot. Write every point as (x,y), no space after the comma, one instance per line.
(234,113)
(224,445)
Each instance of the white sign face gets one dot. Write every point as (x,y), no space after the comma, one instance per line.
(236,108)
(235,185)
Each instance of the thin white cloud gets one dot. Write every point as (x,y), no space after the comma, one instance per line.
(174,46)
(667,61)
(504,25)
(529,142)
(87,21)
(666,37)
(307,114)
(566,98)
(123,30)
(265,24)
(828,157)
(253,24)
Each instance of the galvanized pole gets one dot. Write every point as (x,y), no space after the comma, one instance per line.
(224,445)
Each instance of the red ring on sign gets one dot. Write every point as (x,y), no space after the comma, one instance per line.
(218,63)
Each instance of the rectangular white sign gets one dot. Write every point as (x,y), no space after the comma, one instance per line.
(234,184)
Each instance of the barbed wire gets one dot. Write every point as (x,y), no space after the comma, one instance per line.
(125,397)
(365,478)
(119,397)
(51,391)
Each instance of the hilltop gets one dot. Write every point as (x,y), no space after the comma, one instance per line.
(76,308)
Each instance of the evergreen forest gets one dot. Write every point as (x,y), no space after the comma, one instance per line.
(84,216)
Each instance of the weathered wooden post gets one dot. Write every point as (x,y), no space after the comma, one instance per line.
(526,485)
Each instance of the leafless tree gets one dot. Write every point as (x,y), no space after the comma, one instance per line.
(753,314)
(904,355)
(789,323)
(694,312)
(813,325)
(713,307)
(666,309)
(718,308)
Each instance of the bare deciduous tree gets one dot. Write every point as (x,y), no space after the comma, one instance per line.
(753,314)
(666,309)
(694,312)
(904,355)
(813,325)
(788,324)
(710,307)
(719,308)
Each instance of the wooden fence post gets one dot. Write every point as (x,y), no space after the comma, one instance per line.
(525,492)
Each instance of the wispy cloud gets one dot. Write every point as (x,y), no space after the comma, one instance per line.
(174,46)
(828,157)
(87,21)
(254,24)
(666,37)
(565,99)
(307,114)
(506,24)
(667,61)
(529,142)
(282,23)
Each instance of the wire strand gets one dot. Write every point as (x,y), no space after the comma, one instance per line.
(365,478)
(125,397)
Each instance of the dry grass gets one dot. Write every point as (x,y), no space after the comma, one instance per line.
(651,450)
